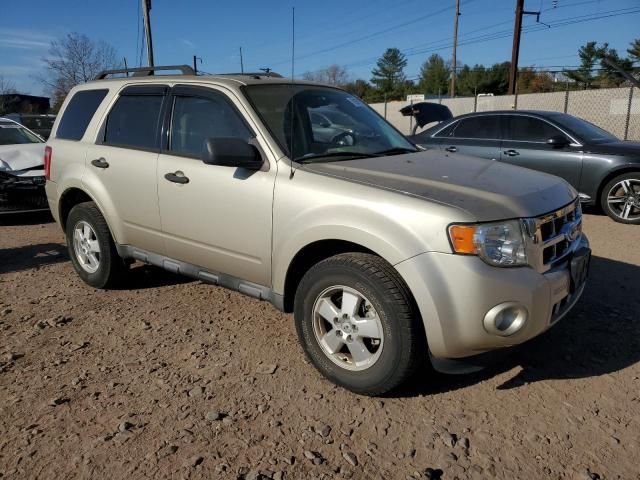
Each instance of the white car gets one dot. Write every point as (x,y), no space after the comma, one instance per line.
(22,175)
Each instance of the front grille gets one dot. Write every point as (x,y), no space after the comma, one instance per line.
(554,235)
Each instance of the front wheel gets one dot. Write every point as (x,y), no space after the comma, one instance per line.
(621,198)
(357,323)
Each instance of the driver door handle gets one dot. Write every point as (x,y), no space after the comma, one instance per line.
(100,163)
(176,177)
(451,149)
(511,153)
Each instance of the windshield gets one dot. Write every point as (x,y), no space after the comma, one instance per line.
(587,132)
(317,124)
(13,134)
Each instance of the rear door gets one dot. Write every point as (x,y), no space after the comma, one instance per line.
(478,136)
(525,144)
(122,165)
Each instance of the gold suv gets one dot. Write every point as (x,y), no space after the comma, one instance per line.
(300,194)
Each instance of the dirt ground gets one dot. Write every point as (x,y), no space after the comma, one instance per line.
(173,378)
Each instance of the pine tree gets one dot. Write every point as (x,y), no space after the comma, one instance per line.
(389,75)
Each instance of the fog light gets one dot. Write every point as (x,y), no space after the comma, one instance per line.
(505,319)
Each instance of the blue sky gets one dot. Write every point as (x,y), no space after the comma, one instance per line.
(349,33)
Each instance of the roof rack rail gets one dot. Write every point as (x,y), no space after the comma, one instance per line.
(145,71)
(250,74)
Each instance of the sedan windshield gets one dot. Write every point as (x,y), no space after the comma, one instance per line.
(587,132)
(13,134)
(313,123)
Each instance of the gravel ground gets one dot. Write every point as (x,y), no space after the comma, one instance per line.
(172,378)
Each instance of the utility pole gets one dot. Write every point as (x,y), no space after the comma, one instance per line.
(515,51)
(455,45)
(146,6)
(241,62)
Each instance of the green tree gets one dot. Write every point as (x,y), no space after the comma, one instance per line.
(589,55)
(608,76)
(360,88)
(434,76)
(389,75)
(634,50)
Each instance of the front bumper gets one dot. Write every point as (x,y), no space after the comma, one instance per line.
(22,193)
(454,293)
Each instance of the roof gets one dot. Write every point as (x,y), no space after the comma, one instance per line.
(540,113)
(230,80)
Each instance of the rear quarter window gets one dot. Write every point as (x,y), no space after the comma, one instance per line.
(79,112)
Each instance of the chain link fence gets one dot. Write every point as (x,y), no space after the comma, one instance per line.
(616,110)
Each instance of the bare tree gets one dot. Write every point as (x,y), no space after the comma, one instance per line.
(7,87)
(75,59)
(332,75)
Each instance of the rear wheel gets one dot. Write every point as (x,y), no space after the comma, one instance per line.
(357,323)
(621,198)
(91,248)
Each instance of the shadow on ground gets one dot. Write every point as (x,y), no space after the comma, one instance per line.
(601,335)
(31,256)
(32,218)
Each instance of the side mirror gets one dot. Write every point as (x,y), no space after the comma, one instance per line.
(558,141)
(231,152)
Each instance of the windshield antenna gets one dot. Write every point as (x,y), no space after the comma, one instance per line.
(293,56)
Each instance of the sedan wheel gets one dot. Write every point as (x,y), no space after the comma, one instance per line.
(623,199)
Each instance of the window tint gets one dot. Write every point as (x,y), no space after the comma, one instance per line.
(445,132)
(197,119)
(133,121)
(529,129)
(78,114)
(482,127)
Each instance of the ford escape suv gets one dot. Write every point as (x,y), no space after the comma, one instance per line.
(386,255)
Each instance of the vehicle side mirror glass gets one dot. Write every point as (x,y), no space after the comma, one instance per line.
(558,141)
(231,152)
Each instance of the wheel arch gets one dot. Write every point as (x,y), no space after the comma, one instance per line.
(71,197)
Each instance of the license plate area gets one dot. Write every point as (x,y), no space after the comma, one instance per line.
(579,268)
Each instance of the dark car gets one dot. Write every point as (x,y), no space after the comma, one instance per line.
(602,168)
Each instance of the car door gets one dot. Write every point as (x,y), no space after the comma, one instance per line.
(219,218)
(525,144)
(478,136)
(121,166)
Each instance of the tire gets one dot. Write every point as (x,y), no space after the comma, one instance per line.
(620,198)
(108,268)
(385,302)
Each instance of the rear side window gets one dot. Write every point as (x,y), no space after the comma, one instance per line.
(530,129)
(134,122)
(78,114)
(485,127)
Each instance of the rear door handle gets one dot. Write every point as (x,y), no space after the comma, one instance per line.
(451,149)
(177,177)
(511,153)
(100,163)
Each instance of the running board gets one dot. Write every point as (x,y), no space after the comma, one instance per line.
(187,269)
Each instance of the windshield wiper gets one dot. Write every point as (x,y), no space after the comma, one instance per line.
(396,151)
(334,156)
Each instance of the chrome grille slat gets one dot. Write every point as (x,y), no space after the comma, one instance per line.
(555,236)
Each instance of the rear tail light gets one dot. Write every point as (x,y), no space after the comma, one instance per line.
(47,162)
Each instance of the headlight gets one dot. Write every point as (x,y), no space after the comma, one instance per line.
(499,244)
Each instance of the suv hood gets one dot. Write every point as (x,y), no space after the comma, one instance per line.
(14,158)
(486,189)
(615,148)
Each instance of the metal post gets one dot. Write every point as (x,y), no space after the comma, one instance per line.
(125,65)
(475,99)
(566,98)
(146,6)
(385,106)
(241,62)
(195,66)
(455,45)
(515,50)
(626,123)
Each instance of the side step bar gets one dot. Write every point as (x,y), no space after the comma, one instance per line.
(187,269)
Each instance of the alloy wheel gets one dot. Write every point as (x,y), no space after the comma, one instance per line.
(348,328)
(624,199)
(86,246)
